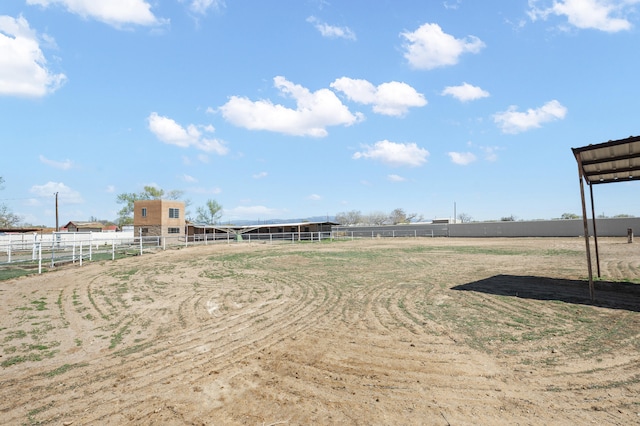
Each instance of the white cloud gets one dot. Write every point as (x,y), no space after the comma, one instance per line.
(465,92)
(110,189)
(314,197)
(396,178)
(23,67)
(393,98)
(331,31)
(63,165)
(188,178)
(429,47)
(395,154)
(603,15)
(453,5)
(172,133)
(314,112)
(202,6)
(462,158)
(113,12)
(512,121)
(260,175)
(490,152)
(65,194)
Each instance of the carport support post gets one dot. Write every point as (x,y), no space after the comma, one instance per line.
(585,223)
(595,231)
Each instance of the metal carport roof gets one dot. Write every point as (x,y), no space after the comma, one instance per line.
(608,162)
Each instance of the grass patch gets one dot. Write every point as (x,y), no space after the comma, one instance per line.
(14,272)
(17,334)
(40,304)
(117,338)
(63,369)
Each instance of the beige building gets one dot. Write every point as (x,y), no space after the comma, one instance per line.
(162,218)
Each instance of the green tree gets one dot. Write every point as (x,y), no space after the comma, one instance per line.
(569,216)
(210,213)
(125,215)
(7,218)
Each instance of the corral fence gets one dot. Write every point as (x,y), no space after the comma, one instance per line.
(35,251)
(31,252)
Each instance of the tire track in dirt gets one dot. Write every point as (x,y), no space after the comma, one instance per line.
(258,341)
(190,339)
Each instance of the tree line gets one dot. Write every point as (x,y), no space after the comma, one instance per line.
(396,217)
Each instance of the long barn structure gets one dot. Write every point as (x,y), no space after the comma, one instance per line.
(292,230)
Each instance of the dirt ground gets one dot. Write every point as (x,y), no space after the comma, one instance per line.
(377,332)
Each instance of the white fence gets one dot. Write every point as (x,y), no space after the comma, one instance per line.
(31,251)
(49,250)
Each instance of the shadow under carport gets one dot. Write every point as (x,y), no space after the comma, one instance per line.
(608,294)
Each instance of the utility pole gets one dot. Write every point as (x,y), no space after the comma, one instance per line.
(57,226)
(454,213)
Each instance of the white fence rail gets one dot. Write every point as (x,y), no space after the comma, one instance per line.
(37,251)
(31,251)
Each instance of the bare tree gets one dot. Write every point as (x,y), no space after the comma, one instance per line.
(398,216)
(464,218)
(7,218)
(352,217)
(377,218)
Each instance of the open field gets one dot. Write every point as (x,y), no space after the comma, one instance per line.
(437,331)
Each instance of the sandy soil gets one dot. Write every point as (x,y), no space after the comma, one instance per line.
(377,332)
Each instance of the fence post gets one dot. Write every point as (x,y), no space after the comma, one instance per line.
(140,233)
(34,251)
(81,251)
(113,249)
(90,251)
(40,257)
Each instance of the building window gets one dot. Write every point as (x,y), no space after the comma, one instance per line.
(174,230)
(144,212)
(174,213)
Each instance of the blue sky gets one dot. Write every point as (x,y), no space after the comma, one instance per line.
(301,108)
